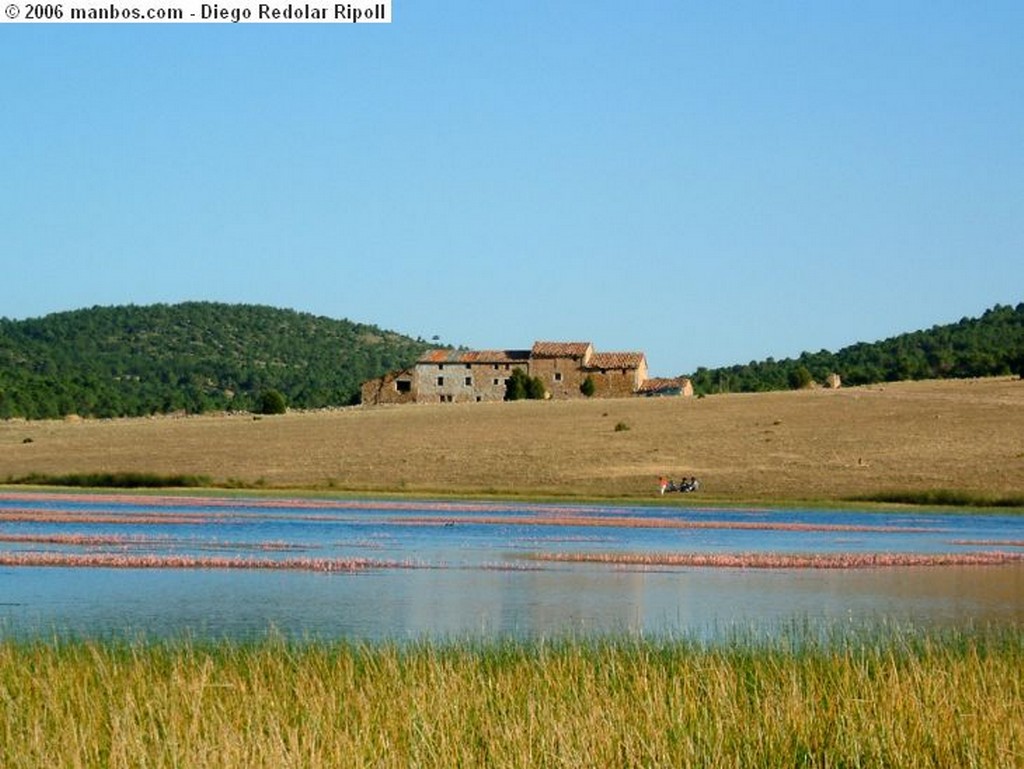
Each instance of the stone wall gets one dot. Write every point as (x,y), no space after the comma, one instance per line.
(462,382)
(615,383)
(466,376)
(562,377)
(393,387)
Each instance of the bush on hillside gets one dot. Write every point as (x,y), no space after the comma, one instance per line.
(272,402)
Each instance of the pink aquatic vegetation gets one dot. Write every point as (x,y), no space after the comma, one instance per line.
(122,561)
(85,540)
(70,516)
(787,560)
(129,541)
(249,503)
(989,542)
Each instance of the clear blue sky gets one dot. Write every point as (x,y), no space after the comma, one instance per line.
(711,183)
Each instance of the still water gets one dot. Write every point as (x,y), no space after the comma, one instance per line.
(164,566)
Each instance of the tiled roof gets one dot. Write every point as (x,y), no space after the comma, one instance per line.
(475,356)
(657,384)
(616,360)
(583,351)
(561,349)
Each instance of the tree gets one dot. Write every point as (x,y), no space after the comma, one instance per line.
(515,385)
(588,387)
(521,386)
(800,378)
(272,402)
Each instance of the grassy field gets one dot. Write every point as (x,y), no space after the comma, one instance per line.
(948,439)
(865,698)
(891,700)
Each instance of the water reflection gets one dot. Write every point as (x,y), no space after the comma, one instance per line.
(476,579)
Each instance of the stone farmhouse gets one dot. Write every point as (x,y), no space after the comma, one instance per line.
(466,376)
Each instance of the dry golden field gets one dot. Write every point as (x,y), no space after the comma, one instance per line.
(807,445)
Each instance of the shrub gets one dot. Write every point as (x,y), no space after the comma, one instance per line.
(272,402)
(800,378)
(588,387)
(520,386)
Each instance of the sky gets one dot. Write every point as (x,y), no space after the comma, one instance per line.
(710,183)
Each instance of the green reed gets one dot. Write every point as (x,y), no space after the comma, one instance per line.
(884,698)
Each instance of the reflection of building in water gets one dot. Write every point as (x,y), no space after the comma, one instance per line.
(567,370)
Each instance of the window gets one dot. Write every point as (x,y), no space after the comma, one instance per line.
(440,381)
(403,386)
(469,381)
(558,376)
(440,367)
(496,382)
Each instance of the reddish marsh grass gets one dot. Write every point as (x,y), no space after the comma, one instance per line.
(786,560)
(123,561)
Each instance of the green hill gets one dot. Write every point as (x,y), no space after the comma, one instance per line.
(991,345)
(203,356)
(196,356)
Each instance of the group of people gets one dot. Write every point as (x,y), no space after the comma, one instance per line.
(684,485)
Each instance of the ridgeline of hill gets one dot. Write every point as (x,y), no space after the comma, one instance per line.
(992,345)
(194,357)
(204,356)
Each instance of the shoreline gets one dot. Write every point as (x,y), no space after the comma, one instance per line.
(690,502)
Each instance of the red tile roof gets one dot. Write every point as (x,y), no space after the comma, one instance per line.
(616,360)
(657,384)
(475,356)
(561,349)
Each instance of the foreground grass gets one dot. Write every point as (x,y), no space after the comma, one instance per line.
(909,701)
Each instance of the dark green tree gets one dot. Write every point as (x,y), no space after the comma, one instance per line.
(800,378)
(515,385)
(521,386)
(588,387)
(535,389)
(272,402)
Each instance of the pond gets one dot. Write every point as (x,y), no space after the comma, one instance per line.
(236,567)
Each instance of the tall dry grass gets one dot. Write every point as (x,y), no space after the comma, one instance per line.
(877,700)
(963,438)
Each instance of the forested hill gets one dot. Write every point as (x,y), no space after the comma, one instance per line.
(194,357)
(991,345)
